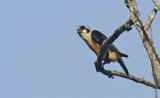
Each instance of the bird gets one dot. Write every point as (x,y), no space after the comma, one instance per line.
(94,40)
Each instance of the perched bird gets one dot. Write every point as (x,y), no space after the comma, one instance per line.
(94,40)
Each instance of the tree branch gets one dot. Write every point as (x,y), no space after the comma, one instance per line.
(136,20)
(157,3)
(131,77)
(151,18)
(131,4)
(98,64)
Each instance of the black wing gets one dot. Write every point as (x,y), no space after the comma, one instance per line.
(113,48)
(98,37)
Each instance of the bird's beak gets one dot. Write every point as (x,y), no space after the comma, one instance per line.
(78,30)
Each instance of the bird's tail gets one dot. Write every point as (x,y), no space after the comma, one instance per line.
(120,61)
(123,55)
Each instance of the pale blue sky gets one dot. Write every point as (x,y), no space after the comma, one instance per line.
(42,56)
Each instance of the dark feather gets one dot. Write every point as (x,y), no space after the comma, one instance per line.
(98,37)
(114,49)
(120,61)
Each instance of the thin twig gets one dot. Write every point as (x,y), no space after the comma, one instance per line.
(131,77)
(157,3)
(147,37)
(151,18)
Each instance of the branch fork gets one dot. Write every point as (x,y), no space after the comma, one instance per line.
(142,29)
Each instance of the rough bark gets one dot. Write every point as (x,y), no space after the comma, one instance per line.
(133,78)
(157,3)
(151,18)
(154,58)
(143,31)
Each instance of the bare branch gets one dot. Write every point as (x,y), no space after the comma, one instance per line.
(136,20)
(98,64)
(131,77)
(131,4)
(157,3)
(151,33)
(151,18)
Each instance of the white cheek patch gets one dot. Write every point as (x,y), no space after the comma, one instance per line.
(86,37)
(84,31)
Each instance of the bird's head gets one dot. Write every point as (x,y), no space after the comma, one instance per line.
(84,32)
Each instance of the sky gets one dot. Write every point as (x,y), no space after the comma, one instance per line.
(42,56)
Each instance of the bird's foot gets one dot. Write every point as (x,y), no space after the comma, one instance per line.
(108,73)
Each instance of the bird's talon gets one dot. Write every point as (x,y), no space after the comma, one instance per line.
(109,73)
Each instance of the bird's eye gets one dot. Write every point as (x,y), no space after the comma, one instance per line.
(88,30)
